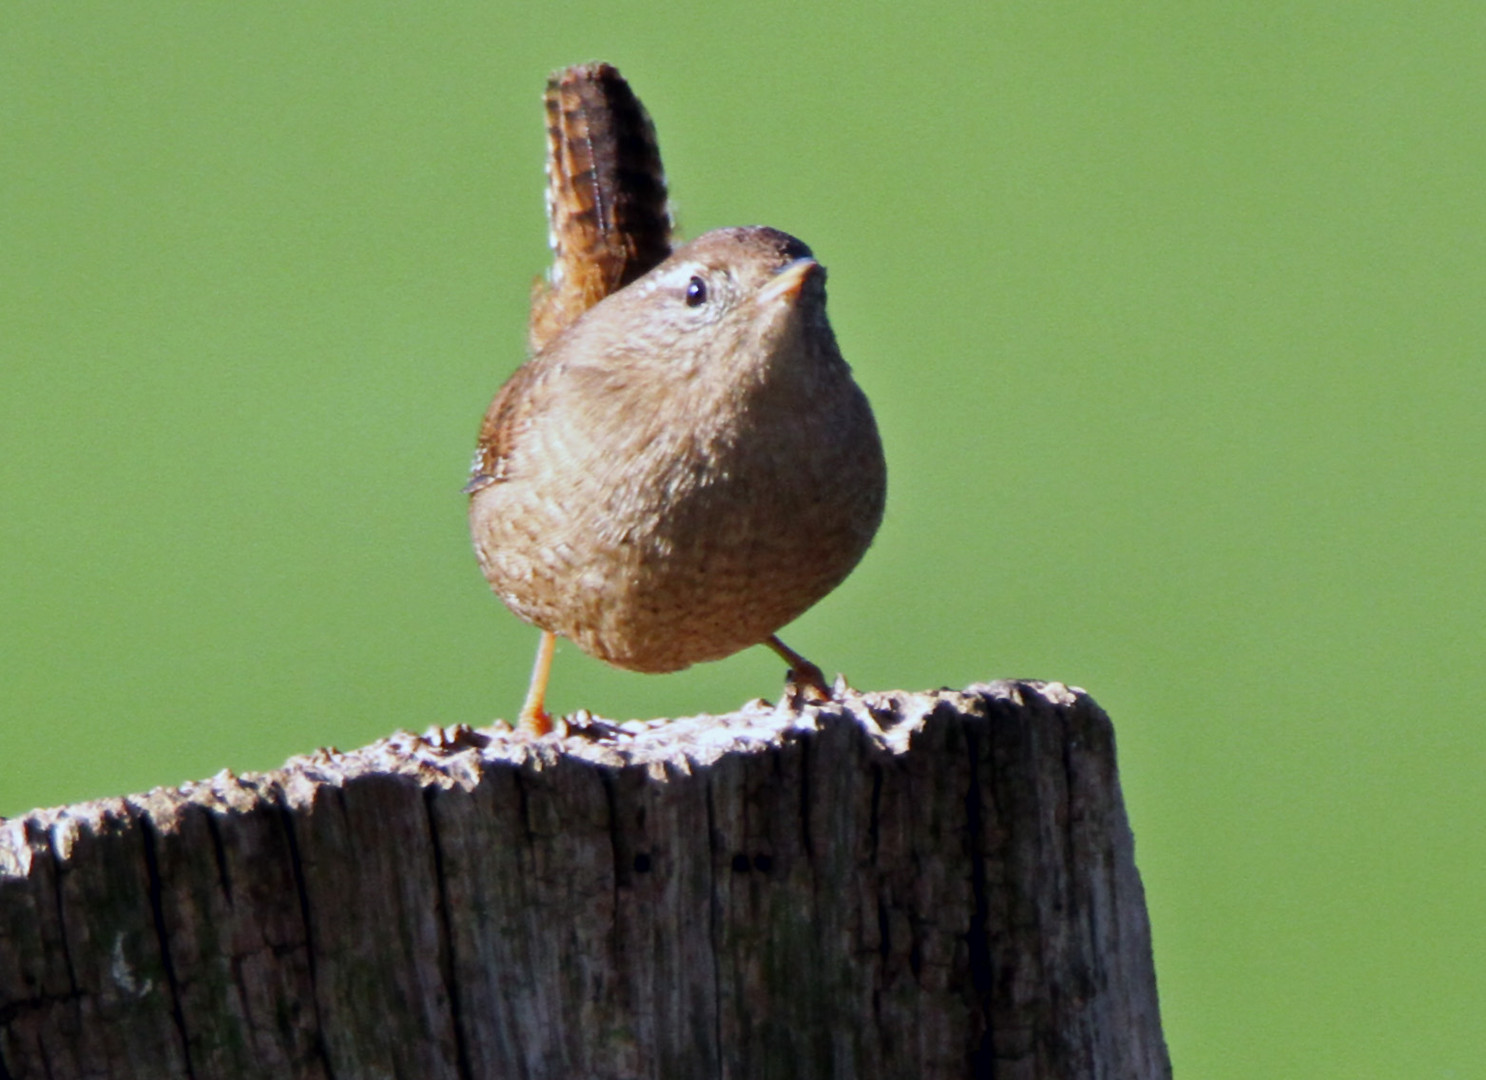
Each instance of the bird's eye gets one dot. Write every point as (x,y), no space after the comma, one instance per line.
(696,292)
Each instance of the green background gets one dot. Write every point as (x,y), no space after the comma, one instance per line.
(1172,315)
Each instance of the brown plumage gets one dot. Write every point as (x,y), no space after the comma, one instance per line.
(606,195)
(670,482)
(685,464)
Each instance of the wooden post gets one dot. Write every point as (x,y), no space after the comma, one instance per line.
(890,885)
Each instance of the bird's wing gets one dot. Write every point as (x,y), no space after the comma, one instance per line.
(504,422)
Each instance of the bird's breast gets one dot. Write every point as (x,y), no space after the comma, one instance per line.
(659,532)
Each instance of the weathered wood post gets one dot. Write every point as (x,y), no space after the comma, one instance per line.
(890,885)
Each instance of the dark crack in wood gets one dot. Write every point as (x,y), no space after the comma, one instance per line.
(302,895)
(157,911)
(446,938)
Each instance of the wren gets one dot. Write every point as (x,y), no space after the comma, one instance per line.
(685,464)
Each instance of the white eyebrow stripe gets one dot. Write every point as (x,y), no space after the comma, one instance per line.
(680,275)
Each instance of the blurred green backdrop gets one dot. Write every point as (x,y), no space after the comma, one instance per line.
(1173,319)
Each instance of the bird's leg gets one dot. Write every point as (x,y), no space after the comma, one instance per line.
(534,716)
(802,674)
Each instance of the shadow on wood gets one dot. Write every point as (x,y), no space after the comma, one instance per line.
(891,885)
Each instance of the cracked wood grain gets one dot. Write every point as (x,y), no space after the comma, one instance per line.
(888,885)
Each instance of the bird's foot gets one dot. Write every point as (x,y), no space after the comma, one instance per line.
(536,721)
(803,682)
(805,687)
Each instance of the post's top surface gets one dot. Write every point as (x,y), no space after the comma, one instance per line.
(455,756)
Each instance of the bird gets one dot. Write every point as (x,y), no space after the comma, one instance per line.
(685,463)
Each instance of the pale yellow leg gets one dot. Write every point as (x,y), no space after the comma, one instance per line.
(534,716)
(802,672)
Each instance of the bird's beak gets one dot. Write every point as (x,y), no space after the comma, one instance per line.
(787,282)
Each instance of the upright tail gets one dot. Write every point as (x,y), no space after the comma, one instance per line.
(607,215)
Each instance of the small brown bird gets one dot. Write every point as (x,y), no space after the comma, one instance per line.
(686,468)
(685,464)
